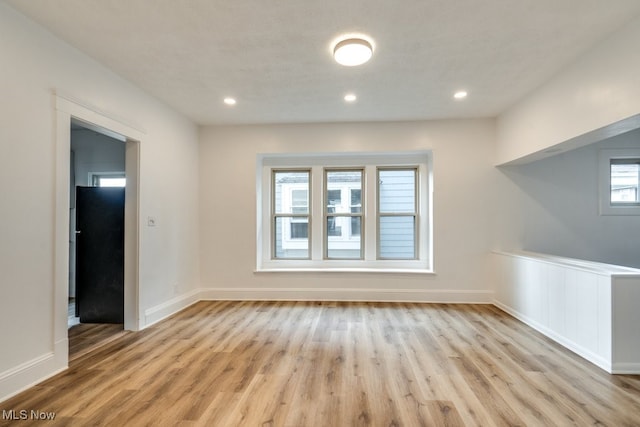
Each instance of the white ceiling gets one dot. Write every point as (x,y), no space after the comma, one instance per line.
(274,56)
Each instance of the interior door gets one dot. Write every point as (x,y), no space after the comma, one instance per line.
(100,254)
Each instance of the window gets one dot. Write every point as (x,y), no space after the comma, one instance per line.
(290,214)
(340,216)
(620,182)
(625,175)
(397,213)
(360,211)
(107,179)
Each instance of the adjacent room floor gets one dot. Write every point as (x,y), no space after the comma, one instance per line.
(86,337)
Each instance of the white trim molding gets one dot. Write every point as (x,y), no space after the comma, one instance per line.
(166,309)
(348,294)
(34,371)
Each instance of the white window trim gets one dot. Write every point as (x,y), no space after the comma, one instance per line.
(317,162)
(604,179)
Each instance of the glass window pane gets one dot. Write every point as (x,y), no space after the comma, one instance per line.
(340,245)
(356,222)
(299,230)
(291,237)
(291,192)
(334,198)
(339,184)
(397,190)
(356,207)
(356,197)
(112,182)
(624,182)
(334,227)
(396,237)
(299,201)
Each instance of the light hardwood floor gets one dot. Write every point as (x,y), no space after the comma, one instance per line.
(334,364)
(85,337)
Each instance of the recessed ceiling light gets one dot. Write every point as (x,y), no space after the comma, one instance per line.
(460,94)
(350,97)
(230,101)
(352,51)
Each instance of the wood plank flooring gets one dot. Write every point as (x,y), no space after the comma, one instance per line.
(85,337)
(333,364)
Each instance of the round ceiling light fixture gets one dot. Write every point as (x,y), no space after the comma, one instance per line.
(352,51)
(350,97)
(461,94)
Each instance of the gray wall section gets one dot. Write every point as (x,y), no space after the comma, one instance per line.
(556,206)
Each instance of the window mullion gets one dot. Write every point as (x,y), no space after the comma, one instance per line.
(370,222)
(316,212)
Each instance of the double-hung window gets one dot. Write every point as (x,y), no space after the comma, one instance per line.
(290,214)
(344,212)
(397,213)
(343,219)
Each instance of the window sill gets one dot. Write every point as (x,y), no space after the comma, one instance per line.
(346,270)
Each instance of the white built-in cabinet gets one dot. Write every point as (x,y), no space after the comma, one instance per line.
(591,308)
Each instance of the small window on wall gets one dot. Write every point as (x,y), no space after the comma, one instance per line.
(625,175)
(108,179)
(620,182)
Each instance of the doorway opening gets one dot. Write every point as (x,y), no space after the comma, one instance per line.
(96,238)
(112,161)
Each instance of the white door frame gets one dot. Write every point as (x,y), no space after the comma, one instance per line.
(67,109)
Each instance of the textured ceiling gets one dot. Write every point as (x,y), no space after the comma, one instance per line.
(274,56)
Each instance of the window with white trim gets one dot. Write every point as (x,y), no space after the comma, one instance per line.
(619,181)
(355,211)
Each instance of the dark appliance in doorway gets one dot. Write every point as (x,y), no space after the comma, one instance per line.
(100,254)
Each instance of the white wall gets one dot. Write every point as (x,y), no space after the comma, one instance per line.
(596,97)
(464,181)
(551,206)
(34,64)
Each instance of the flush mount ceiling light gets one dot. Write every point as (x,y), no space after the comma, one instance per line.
(352,51)
(229,101)
(350,97)
(460,94)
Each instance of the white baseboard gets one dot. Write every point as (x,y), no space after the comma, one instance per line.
(570,345)
(34,371)
(347,294)
(162,311)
